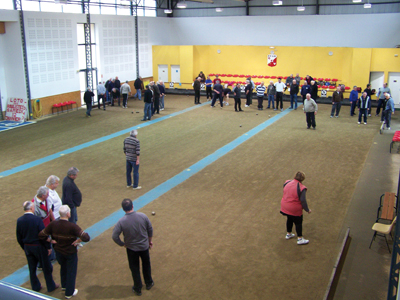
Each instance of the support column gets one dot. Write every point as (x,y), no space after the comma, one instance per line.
(134,8)
(18,6)
(88,45)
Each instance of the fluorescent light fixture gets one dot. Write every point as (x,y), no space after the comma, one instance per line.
(357,1)
(181,5)
(219,9)
(277,2)
(167,11)
(367,5)
(301,8)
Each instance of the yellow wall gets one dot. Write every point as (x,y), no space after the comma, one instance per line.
(352,66)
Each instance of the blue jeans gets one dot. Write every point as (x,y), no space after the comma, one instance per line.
(138,94)
(74,215)
(293,98)
(108,97)
(271,100)
(147,111)
(88,107)
(129,166)
(388,117)
(162,101)
(353,108)
(69,268)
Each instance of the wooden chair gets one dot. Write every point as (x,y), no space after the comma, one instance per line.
(387,207)
(383,229)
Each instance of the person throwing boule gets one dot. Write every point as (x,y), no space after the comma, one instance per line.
(292,205)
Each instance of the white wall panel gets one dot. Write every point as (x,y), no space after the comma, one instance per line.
(116,47)
(51,44)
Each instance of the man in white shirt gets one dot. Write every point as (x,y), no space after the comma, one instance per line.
(280,87)
(54,199)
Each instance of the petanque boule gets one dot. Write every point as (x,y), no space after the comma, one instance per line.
(153,213)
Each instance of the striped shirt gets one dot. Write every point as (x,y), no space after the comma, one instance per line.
(260,91)
(131,148)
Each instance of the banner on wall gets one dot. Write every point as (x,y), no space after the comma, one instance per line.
(272,60)
(17,109)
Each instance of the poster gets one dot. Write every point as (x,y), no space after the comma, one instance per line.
(272,60)
(17,109)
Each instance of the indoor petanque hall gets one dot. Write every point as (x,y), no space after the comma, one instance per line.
(212,178)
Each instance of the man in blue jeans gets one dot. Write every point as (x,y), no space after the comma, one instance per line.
(132,153)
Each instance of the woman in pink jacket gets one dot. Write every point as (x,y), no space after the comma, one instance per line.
(292,205)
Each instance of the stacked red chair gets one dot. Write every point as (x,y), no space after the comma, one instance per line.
(395,139)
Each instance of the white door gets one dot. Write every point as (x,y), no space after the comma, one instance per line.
(176,73)
(376,81)
(394,85)
(163,73)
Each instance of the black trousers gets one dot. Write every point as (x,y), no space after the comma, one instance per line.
(248,98)
(124,99)
(260,102)
(103,99)
(378,108)
(134,265)
(196,96)
(68,271)
(156,107)
(38,254)
(298,221)
(310,116)
(279,98)
(220,97)
(208,92)
(238,104)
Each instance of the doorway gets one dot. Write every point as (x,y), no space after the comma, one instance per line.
(163,73)
(376,80)
(176,73)
(394,85)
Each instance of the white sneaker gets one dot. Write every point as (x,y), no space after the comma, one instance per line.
(74,294)
(289,236)
(365,123)
(302,241)
(369,115)
(137,188)
(226,103)
(388,128)
(358,123)
(246,106)
(128,186)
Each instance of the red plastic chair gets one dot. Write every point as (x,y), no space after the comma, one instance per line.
(285,77)
(266,77)
(56,106)
(242,75)
(236,75)
(223,75)
(260,76)
(319,86)
(335,80)
(332,87)
(229,75)
(301,78)
(211,74)
(320,79)
(327,79)
(273,77)
(72,103)
(324,86)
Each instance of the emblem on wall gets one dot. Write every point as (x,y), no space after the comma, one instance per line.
(171,85)
(323,93)
(272,60)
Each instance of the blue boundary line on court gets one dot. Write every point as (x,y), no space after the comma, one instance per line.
(91,143)
(22,275)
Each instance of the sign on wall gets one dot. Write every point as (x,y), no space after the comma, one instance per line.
(272,60)
(323,93)
(17,109)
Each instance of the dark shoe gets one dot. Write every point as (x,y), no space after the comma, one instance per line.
(143,120)
(55,287)
(313,128)
(199,103)
(148,287)
(137,293)
(308,127)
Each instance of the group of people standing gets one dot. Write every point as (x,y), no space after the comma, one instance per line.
(153,99)
(48,225)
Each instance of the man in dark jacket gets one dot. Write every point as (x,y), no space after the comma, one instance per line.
(294,90)
(148,99)
(36,251)
(138,87)
(71,195)
(196,87)
(87,97)
(156,98)
(305,89)
(313,90)
(337,98)
(218,93)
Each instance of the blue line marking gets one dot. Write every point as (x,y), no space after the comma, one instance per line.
(22,275)
(91,143)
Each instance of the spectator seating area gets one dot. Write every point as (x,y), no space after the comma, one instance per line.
(395,139)
(323,83)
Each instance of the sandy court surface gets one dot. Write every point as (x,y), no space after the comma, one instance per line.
(219,234)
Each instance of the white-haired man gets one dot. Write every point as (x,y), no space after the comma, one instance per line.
(125,90)
(71,195)
(52,183)
(67,236)
(132,153)
(28,228)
